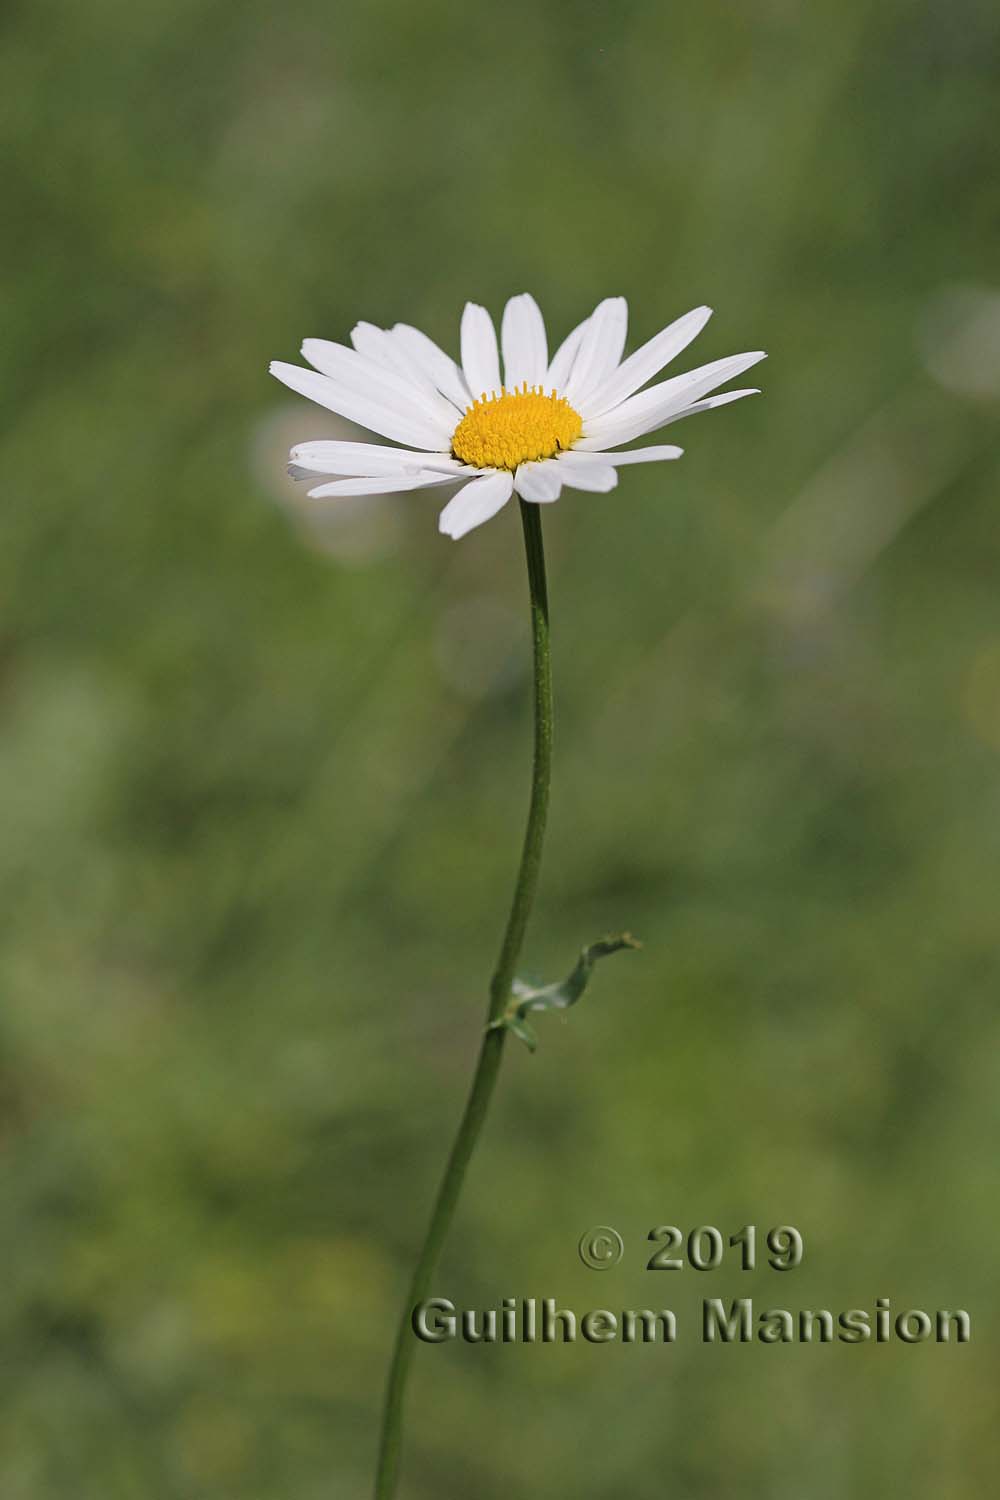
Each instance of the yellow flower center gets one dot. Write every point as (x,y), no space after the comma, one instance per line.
(500,432)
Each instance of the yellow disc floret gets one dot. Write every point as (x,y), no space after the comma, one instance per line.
(500,432)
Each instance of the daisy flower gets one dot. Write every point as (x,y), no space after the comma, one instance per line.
(542,426)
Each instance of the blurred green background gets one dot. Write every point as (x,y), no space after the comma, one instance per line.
(263,771)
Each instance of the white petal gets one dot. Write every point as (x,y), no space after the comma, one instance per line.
(480,360)
(381,383)
(562,361)
(440,367)
(712,402)
(525,347)
(596,477)
(652,408)
(328,456)
(593,445)
(369,339)
(476,503)
(388,484)
(646,362)
(376,416)
(387,350)
(540,481)
(632,456)
(600,348)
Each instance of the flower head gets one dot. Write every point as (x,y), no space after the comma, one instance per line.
(542,426)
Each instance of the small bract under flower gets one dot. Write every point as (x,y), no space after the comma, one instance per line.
(545,425)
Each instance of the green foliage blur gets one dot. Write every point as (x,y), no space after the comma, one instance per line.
(264,766)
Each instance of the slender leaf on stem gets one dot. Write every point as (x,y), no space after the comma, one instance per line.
(525,998)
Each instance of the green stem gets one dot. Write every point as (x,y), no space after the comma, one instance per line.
(490,1053)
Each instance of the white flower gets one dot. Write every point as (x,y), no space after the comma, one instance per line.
(543,425)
